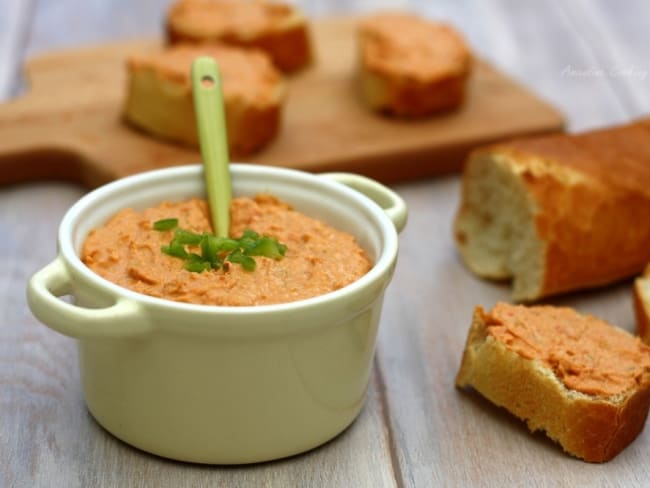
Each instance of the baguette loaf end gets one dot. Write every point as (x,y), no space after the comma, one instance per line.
(642,305)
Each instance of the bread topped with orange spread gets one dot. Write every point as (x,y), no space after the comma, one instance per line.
(160,101)
(410,66)
(560,212)
(642,305)
(278,29)
(582,381)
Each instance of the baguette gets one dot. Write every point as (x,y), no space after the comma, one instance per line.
(642,305)
(278,29)
(558,213)
(582,381)
(409,66)
(159,98)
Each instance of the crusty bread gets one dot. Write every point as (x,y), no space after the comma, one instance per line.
(159,97)
(409,66)
(582,381)
(278,29)
(642,305)
(560,212)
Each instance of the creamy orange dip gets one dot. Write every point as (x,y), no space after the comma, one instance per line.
(585,353)
(406,45)
(318,260)
(245,73)
(222,19)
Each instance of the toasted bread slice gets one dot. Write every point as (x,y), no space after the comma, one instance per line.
(160,101)
(279,29)
(642,305)
(582,381)
(558,213)
(411,67)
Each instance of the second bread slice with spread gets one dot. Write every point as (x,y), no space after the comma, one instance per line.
(278,29)
(410,66)
(582,381)
(160,100)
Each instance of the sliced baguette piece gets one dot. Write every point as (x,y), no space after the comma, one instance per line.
(558,213)
(409,66)
(582,381)
(159,98)
(642,305)
(278,29)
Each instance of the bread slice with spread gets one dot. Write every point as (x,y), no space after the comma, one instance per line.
(582,381)
(409,66)
(278,29)
(159,99)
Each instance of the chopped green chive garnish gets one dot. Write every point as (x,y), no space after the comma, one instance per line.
(165,224)
(215,251)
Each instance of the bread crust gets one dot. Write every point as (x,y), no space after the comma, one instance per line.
(159,98)
(592,428)
(394,80)
(642,305)
(283,33)
(590,197)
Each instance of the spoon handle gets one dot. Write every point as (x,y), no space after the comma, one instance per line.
(213,140)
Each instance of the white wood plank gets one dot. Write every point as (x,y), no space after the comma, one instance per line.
(14,24)
(71,22)
(618,38)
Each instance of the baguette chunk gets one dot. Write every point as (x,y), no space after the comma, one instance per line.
(558,213)
(582,381)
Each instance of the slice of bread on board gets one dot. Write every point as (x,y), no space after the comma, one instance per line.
(278,29)
(409,66)
(159,99)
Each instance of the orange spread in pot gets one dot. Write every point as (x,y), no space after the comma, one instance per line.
(586,354)
(318,260)
(403,44)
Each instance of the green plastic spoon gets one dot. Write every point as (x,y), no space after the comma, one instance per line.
(213,140)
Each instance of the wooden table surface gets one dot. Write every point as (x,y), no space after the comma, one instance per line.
(591,58)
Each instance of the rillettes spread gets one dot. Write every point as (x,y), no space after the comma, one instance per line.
(585,353)
(319,259)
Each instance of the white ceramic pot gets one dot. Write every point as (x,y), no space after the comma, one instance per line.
(214,384)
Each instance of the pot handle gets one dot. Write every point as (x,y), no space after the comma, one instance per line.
(124,318)
(387,199)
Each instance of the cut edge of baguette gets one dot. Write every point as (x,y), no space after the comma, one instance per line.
(495,226)
(642,305)
(592,428)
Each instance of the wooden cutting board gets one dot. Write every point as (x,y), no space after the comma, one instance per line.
(68,126)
